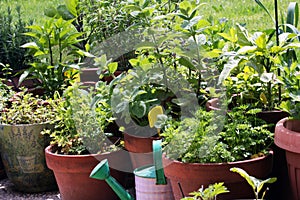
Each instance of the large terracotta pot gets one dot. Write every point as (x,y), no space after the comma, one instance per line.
(72,174)
(140,149)
(191,176)
(280,189)
(22,151)
(287,137)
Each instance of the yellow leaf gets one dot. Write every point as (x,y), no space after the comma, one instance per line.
(152,115)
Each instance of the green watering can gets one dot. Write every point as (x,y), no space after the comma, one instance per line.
(101,172)
(150,180)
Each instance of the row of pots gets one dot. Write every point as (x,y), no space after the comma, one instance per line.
(19,162)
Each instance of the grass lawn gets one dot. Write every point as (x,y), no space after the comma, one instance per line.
(236,11)
(30,9)
(246,12)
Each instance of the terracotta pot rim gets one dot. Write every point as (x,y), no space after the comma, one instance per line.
(285,138)
(222,163)
(48,151)
(141,137)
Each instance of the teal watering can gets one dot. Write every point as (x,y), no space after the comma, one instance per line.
(150,181)
(101,172)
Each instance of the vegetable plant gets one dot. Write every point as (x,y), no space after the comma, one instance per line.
(256,184)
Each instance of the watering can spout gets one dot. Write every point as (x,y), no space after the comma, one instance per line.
(101,172)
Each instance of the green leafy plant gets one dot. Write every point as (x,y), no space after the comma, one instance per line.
(256,184)
(23,108)
(11,31)
(57,56)
(205,139)
(259,53)
(82,121)
(209,193)
(291,82)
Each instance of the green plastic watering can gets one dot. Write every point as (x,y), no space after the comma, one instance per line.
(101,172)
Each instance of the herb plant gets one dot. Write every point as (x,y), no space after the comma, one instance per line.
(201,139)
(81,122)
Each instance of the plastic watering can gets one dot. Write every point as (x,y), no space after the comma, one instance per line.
(150,180)
(101,172)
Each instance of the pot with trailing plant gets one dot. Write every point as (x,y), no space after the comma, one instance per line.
(204,147)
(79,142)
(23,117)
(287,130)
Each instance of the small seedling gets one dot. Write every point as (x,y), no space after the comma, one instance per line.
(256,184)
(209,193)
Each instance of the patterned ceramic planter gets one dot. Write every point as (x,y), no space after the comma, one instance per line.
(22,151)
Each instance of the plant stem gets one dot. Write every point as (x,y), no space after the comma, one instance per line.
(277,43)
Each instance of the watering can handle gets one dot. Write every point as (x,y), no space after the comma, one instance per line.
(157,156)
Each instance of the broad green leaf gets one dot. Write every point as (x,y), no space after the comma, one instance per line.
(30,45)
(243,36)
(266,77)
(112,67)
(227,69)
(51,12)
(261,41)
(187,63)
(245,175)
(72,5)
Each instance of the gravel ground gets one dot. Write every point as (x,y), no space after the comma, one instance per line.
(8,192)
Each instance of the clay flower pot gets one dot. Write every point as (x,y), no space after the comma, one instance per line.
(72,175)
(140,149)
(287,137)
(189,177)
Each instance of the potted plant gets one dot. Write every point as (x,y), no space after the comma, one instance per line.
(204,147)
(79,141)
(22,118)
(287,135)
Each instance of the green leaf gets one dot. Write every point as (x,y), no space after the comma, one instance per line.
(72,5)
(30,45)
(245,175)
(187,63)
(65,13)
(112,67)
(266,77)
(292,15)
(227,69)
(247,49)
(51,12)
(261,41)
(263,7)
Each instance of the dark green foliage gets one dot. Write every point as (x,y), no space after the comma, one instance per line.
(11,31)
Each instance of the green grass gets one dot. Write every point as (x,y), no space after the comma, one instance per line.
(30,9)
(245,12)
(236,11)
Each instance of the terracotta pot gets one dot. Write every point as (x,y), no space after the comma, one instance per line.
(191,176)
(22,151)
(287,137)
(72,175)
(140,149)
